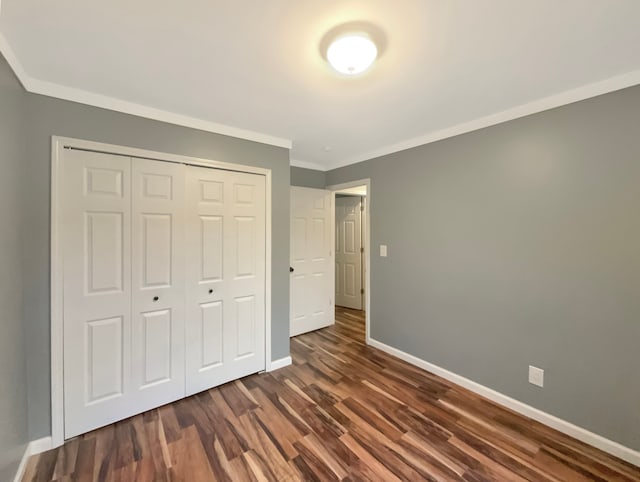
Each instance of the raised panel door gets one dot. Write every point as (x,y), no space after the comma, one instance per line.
(225,276)
(96,215)
(158,273)
(348,252)
(311,259)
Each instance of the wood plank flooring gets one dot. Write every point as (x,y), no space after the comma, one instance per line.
(342,411)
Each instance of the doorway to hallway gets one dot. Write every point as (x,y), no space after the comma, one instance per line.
(349,251)
(351,225)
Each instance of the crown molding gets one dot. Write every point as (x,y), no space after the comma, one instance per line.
(308,165)
(110,103)
(89,98)
(11,58)
(546,103)
(51,89)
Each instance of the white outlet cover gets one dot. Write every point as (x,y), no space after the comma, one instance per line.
(536,376)
(383,250)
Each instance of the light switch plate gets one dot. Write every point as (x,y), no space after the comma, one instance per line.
(536,376)
(383,250)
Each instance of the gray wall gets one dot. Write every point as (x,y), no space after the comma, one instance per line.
(47,117)
(13,393)
(307,177)
(519,244)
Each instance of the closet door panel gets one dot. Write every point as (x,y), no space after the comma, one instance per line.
(210,330)
(212,246)
(158,282)
(157,351)
(246,212)
(206,232)
(157,231)
(245,327)
(95,210)
(225,276)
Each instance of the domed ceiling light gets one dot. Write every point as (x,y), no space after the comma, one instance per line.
(352,53)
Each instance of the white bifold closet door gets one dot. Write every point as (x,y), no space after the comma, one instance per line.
(225,276)
(158,282)
(124,286)
(98,386)
(164,283)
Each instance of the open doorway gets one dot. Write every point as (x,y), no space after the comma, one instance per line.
(351,239)
(349,249)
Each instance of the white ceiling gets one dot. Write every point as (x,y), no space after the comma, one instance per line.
(255,65)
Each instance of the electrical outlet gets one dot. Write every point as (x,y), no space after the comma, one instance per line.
(383,250)
(536,376)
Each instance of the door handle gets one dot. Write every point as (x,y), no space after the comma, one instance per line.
(291,270)
(155,298)
(210,291)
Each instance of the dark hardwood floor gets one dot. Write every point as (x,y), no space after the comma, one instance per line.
(342,411)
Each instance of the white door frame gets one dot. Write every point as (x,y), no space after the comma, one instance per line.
(367,244)
(58,144)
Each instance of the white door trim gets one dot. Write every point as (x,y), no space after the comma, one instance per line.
(58,144)
(367,244)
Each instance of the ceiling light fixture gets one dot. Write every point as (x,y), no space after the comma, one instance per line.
(352,53)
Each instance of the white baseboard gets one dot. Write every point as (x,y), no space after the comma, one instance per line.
(34,447)
(281,363)
(41,445)
(22,466)
(593,439)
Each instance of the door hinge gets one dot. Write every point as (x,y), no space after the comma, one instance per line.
(361,207)
(361,291)
(362,250)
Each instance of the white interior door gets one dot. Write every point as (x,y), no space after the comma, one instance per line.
(96,216)
(158,288)
(225,276)
(349,252)
(311,260)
